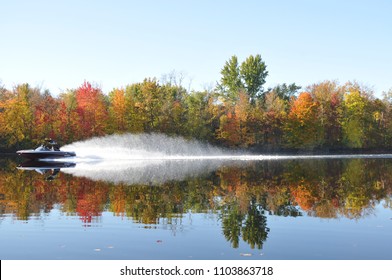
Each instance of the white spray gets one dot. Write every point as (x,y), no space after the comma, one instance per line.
(157,158)
(142,147)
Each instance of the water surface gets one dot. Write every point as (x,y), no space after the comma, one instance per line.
(271,208)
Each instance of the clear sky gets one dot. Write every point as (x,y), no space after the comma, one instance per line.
(58,44)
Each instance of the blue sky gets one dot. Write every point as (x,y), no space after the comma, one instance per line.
(58,44)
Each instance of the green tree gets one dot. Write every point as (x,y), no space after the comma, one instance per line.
(198,115)
(249,76)
(253,73)
(285,92)
(231,81)
(354,122)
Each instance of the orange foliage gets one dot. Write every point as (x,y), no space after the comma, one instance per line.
(118,110)
(303,128)
(303,196)
(304,108)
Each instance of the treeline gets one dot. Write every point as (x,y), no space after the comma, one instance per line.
(239,112)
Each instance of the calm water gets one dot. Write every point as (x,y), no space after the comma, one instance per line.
(198,209)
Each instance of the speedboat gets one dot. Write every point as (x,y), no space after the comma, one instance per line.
(42,153)
(48,150)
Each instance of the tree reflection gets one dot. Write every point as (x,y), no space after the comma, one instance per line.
(232,223)
(241,195)
(251,225)
(255,229)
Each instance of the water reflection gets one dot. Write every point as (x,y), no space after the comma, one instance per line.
(243,195)
(150,172)
(251,224)
(49,168)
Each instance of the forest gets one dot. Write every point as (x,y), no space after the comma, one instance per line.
(238,113)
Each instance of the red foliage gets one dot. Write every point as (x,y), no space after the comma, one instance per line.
(92,110)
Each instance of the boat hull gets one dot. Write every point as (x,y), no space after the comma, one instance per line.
(35,155)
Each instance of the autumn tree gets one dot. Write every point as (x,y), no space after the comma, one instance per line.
(272,118)
(172,115)
(387,118)
(329,96)
(148,101)
(355,118)
(236,127)
(135,116)
(245,113)
(92,110)
(16,115)
(117,111)
(45,117)
(3,138)
(68,124)
(303,128)
(229,128)
(378,127)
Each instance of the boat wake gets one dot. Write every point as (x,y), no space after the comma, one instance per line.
(156,158)
(141,147)
(156,147)
(143,158)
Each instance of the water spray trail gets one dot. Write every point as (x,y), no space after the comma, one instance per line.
(142,147)
(161,147)
(143,158)
(156,158)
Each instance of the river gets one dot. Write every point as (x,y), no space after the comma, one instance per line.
(239,208)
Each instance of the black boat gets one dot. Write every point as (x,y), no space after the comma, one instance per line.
(48,150)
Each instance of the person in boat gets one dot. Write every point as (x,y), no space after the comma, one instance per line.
(50,144)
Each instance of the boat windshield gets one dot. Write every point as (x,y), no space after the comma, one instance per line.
(41,148)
